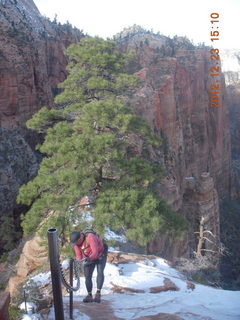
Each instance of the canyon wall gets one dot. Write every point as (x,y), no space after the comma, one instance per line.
(230,219)
(174,98)
(32,63)
(231,69)
(18,165)
(32,60)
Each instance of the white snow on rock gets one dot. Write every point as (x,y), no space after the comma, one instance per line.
(30,307)
(230,61)
(65,264)
(26,317)
(199,304)
(203,301)
(87,216)
(42,278)
(112,249)
(111,235)
(31,13)
(31,317)
(83,215)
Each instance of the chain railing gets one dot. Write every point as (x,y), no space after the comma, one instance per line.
(74,264)
(74,269)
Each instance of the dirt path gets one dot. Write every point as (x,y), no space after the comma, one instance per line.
(104,311)
(95,311)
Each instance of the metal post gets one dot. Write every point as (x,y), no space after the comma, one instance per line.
(55,273)
(71,292)
(25,301)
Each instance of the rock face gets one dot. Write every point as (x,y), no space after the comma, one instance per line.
(230,211)
(231,68)
(32,60)
(32,63)
(201,198)
(174,98)
(18,165)
(33,255)
(200,203)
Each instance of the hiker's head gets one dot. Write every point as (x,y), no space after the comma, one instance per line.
(76,238)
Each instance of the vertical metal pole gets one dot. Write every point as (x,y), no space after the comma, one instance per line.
(25,301)
(55,273)
(71,292)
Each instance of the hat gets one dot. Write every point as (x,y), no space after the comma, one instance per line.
(75,235)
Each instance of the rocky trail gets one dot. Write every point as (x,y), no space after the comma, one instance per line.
(104,311)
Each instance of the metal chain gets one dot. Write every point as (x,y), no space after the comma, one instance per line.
(77,276)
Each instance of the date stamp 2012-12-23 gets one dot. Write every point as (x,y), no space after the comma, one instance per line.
(215,68)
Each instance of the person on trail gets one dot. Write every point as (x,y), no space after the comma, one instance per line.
(90,247)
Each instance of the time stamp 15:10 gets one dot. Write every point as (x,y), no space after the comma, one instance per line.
(215,62)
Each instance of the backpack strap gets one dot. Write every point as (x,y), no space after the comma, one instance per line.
(90,230)
(87,242)
(87,231)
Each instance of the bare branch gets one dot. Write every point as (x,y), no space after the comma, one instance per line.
(210,233)
(209,250)
(208,240)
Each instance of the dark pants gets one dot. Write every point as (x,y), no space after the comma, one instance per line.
(88,271)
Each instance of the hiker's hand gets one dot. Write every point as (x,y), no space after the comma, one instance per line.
(87,261)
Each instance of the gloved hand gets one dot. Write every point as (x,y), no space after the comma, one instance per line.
(87,261)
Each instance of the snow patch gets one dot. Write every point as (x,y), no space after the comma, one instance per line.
(65,264)
(29,308)
(41,278)
(111,235)
(112,249)
(230,62)
(31,317)
(201,303)
(87,217)
(26,317)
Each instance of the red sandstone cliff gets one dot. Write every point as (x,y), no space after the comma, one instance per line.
(174,98)
(32,60)
(32,63)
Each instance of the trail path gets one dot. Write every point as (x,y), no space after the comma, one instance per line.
(100,311)
(104,311)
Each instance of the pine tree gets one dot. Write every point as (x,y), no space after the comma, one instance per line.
(88,150)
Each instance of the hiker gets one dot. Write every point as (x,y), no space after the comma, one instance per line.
(88,246)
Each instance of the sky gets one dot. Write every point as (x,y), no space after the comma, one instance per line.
(189,18)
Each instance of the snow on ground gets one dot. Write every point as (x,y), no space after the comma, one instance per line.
(203,302)
(66,264)
(42,278)
(30,307)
